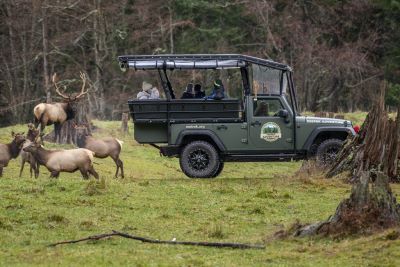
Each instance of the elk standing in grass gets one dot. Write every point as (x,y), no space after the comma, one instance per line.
(11,150)
(102,148)
(70,160)
(58,113)
(31,136)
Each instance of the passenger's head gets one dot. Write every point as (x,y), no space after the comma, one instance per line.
(189,88)
(146,87)
(197,88)
(218,83)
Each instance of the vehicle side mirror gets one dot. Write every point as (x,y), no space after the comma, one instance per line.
(283,113)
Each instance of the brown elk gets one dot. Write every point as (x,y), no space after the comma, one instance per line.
(102,148)
(58,113)
(31,136)
(11,150)
(70,160)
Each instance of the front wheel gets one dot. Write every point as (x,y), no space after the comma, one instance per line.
(199,159)
(328,150)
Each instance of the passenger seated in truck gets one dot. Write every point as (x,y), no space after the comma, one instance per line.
(148,92)
(188,93)
(198,92)
(155,94)
(261,109)
(218,91)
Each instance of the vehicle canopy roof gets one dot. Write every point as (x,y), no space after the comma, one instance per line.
(194,61)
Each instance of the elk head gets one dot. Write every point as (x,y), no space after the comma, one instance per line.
(32,132)
(18,138)
(33,147)
(71,98)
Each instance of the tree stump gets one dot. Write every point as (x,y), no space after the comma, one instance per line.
(375,146)
(124,123)
(372,159)
(370,207)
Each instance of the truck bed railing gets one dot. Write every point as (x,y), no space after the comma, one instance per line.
(185,110)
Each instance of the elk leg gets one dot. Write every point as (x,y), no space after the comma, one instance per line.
(116,163)
(121,165)
(36,169)
(36,123)
(22,168)
(54,174)
(93,172)
(84,174)
(1,171)
(33,169)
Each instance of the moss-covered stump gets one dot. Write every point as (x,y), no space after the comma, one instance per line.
(370,207)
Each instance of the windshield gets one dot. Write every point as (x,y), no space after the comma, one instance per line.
(268,81)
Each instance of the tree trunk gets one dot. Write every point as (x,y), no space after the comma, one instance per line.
(97,57)
(45,52)
(124,124)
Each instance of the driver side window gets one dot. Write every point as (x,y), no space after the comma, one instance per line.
(266,107)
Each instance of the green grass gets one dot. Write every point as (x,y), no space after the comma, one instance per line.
(247,203)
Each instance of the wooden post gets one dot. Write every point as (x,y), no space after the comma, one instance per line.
(124,124)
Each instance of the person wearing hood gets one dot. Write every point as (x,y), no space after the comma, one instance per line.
(218,91)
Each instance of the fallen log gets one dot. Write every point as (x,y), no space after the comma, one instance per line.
(156,241)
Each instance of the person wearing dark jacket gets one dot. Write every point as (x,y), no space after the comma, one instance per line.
(218,91)
(198,92)
(188,93)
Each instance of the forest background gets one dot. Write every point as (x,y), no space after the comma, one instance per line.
(340,50)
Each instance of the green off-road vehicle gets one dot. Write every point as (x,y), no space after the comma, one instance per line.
(262,125)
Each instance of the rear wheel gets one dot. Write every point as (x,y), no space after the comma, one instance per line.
(219,170)
(199,159)
(328,150)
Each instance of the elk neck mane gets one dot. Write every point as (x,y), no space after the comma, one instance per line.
(32,134)
(69,109)
(42,155)
(13,149)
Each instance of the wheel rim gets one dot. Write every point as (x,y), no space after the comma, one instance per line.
(330,154)
(199,160)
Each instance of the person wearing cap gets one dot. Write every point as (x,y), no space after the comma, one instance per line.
(148,92)
(218,91)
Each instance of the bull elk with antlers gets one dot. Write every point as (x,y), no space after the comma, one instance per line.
(59,112)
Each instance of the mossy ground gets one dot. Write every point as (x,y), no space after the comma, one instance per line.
(247,203)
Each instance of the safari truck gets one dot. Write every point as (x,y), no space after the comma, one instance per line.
(263,124)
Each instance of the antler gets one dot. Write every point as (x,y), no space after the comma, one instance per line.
(83,92)
(58,89)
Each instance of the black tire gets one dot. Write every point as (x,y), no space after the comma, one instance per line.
(328,150)
(199,159)
(219,170)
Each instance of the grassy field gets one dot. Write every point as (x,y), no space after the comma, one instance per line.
(247,203)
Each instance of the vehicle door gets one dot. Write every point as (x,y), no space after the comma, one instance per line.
(270,125)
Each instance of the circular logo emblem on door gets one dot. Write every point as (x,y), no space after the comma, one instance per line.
(270,132)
